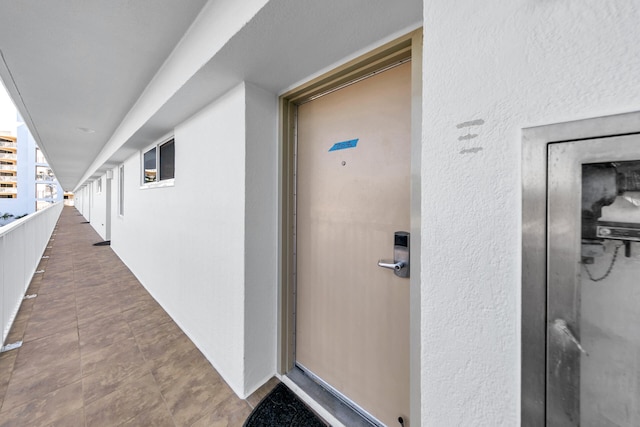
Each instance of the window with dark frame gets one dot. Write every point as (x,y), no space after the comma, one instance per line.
(167,160)
(150,165)
(159,162)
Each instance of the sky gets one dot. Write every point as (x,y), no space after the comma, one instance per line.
(7,113)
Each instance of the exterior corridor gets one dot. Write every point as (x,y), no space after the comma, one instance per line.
(99,351)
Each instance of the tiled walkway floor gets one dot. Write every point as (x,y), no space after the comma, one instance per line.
(99,351)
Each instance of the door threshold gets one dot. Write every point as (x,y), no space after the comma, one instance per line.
(325,404)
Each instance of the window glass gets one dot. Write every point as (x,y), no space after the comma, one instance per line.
(159,163)
(150,165)
(167,160)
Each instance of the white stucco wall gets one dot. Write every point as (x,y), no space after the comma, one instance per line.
(99,206)
(80,196)
(511,64)
(84,197)
(196,249)
(261,237)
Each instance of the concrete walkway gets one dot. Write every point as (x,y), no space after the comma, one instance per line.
(99,351)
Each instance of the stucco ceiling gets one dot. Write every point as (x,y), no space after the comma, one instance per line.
(74,64)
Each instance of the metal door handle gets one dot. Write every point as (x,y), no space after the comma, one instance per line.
(397,266)
(561,326)
(400,262)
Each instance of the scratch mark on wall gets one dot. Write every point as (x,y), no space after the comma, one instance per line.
(472,150)
(470,123)
(467,136)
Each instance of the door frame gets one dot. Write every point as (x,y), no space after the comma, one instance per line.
(534,246)
(407,46)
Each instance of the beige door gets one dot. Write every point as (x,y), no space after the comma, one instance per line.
(352,317)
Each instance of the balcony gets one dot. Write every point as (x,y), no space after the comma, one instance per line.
(8,156)
(8,168)
(96,347)
(8,144)
(10,178)
(8,190)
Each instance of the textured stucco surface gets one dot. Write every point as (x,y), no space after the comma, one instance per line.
(502,65)
(99,206)
(186,243)
(260,238)
(203,247)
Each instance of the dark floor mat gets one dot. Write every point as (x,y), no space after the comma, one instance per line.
(282,407)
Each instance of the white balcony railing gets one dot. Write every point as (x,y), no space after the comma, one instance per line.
(12,168)
(8,190)
(22,244)
(8,156)
(9,178)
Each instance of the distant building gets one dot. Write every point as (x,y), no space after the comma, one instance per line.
(27,183)
(8,169)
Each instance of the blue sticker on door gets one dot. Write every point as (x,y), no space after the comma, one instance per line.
(344,145)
